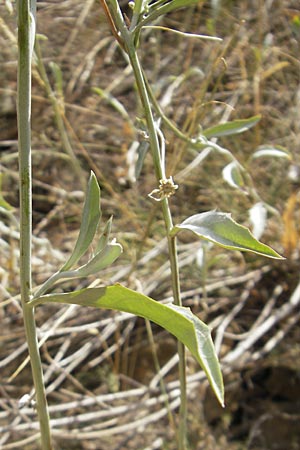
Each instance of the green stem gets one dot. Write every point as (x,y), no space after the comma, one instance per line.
(160,173)
(24,135)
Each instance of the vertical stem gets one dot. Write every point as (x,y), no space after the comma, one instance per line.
(182,432)
(25,37)
(172,247)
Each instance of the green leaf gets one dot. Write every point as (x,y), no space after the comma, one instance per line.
(222,230)
(233,176)
(161,8)
(177,320)
(104,238)
(272,151)
(100,261)
(90,219)
(230,128)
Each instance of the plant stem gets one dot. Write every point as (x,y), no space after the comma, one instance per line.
(160,173)
(24,135)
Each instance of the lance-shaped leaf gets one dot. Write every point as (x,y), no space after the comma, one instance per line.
(90,219)
(258,218)
(229,128)
(100,261)
(222,230)
(177,320)
(272,152)
(233,176)
(104,238)
(161,8)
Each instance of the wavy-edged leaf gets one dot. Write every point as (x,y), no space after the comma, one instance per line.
(271,151)
(230,128)
(90,219)
(222,230)
(177,320)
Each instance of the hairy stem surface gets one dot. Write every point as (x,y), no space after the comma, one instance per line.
(25,40)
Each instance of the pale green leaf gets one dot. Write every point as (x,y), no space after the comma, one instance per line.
(100,261)
(222,230)
(270,151)
(177,320)
(104,238)
(233,176)
(258,218)
(90,219)
(161,8)
(230,128)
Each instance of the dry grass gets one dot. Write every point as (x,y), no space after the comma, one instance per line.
(103,389)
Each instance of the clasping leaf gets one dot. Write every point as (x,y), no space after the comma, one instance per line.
(179,321)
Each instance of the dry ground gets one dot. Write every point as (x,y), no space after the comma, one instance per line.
(103,389)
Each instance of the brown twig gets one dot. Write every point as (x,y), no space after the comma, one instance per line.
(111,23)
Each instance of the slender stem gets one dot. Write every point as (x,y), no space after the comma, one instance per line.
(182,432)
(25,37)
(159,171)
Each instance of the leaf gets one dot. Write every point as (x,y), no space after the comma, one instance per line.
(90,219)
(104,238)
(258,217)
(232,175)
(230,128)
(177,320)
(222,230)
(100,261)
(272,151)
(159,8)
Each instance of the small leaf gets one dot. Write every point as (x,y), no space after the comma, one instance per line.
(222,230)
(100,261)
(177,320)
(230,128)
(232,175)
(258,217)
(159,8)
(104,238)
(90,219)
(272,151)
